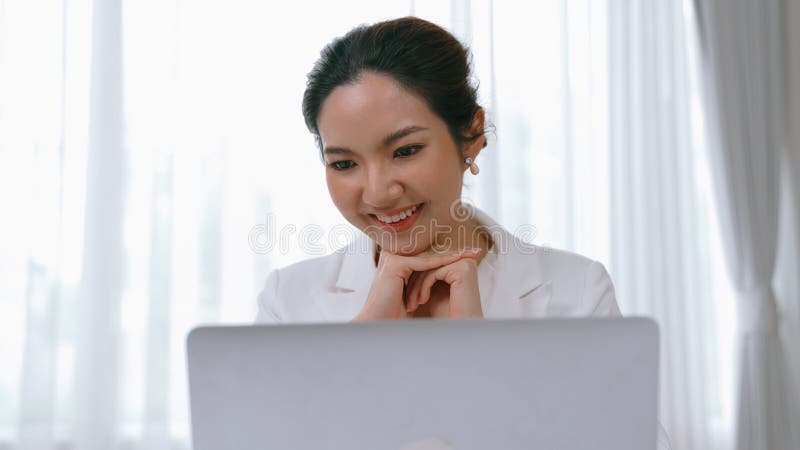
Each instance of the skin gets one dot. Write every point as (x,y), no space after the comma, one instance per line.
(426,270)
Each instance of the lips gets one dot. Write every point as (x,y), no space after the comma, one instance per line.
(401,220)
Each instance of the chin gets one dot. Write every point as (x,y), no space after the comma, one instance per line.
(401,248)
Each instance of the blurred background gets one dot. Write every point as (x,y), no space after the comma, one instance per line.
(154,166)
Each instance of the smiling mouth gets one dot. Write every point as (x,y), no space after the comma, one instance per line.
(398,221)
(396,218)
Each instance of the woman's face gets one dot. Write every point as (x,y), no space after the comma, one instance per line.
(387,154)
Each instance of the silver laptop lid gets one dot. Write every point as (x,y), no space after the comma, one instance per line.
(425,384)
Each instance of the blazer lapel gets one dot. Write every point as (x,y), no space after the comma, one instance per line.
(519,290)
(344,297)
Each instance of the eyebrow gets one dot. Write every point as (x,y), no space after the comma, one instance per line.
(399,134)
(387,141)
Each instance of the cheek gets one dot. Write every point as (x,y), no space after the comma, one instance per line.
(343,195)
(441,179)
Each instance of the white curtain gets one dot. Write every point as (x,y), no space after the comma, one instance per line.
(663,251)
(743,63)
(154,166)
(787,285)
(98,304)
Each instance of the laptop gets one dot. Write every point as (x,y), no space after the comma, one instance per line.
(426,384)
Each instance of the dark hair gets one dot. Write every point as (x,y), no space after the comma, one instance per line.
(422,56)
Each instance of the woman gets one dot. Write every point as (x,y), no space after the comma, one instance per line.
(397,124)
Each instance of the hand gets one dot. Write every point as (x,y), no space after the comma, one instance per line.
(385,299)
(450,291)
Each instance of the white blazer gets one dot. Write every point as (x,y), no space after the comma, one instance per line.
(516,279)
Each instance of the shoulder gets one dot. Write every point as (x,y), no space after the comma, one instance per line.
(556,263)
(545,262)
(576,285)
(312,272)
(586,282)
(298,282)
(525,260)
(568,267)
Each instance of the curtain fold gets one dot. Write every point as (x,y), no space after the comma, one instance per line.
(99,336)
(788,285)
(660,241)
(742,66)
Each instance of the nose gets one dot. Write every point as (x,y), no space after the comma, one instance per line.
(381,188)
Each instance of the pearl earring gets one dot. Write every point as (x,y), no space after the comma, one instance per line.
(473,167)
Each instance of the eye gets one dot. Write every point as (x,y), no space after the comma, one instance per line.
(405,152)
(342,165)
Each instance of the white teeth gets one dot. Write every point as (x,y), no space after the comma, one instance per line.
(403,215)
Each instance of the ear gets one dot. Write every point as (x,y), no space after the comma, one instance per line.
(473,148)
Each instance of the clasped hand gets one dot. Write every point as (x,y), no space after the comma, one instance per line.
(445,283)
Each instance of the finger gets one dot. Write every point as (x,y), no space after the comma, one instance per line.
(415,266)
(423,263)
(468,251)
(414,295)
(437,307)
(417,294)
(409,283)
(412,299)
(428,281)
